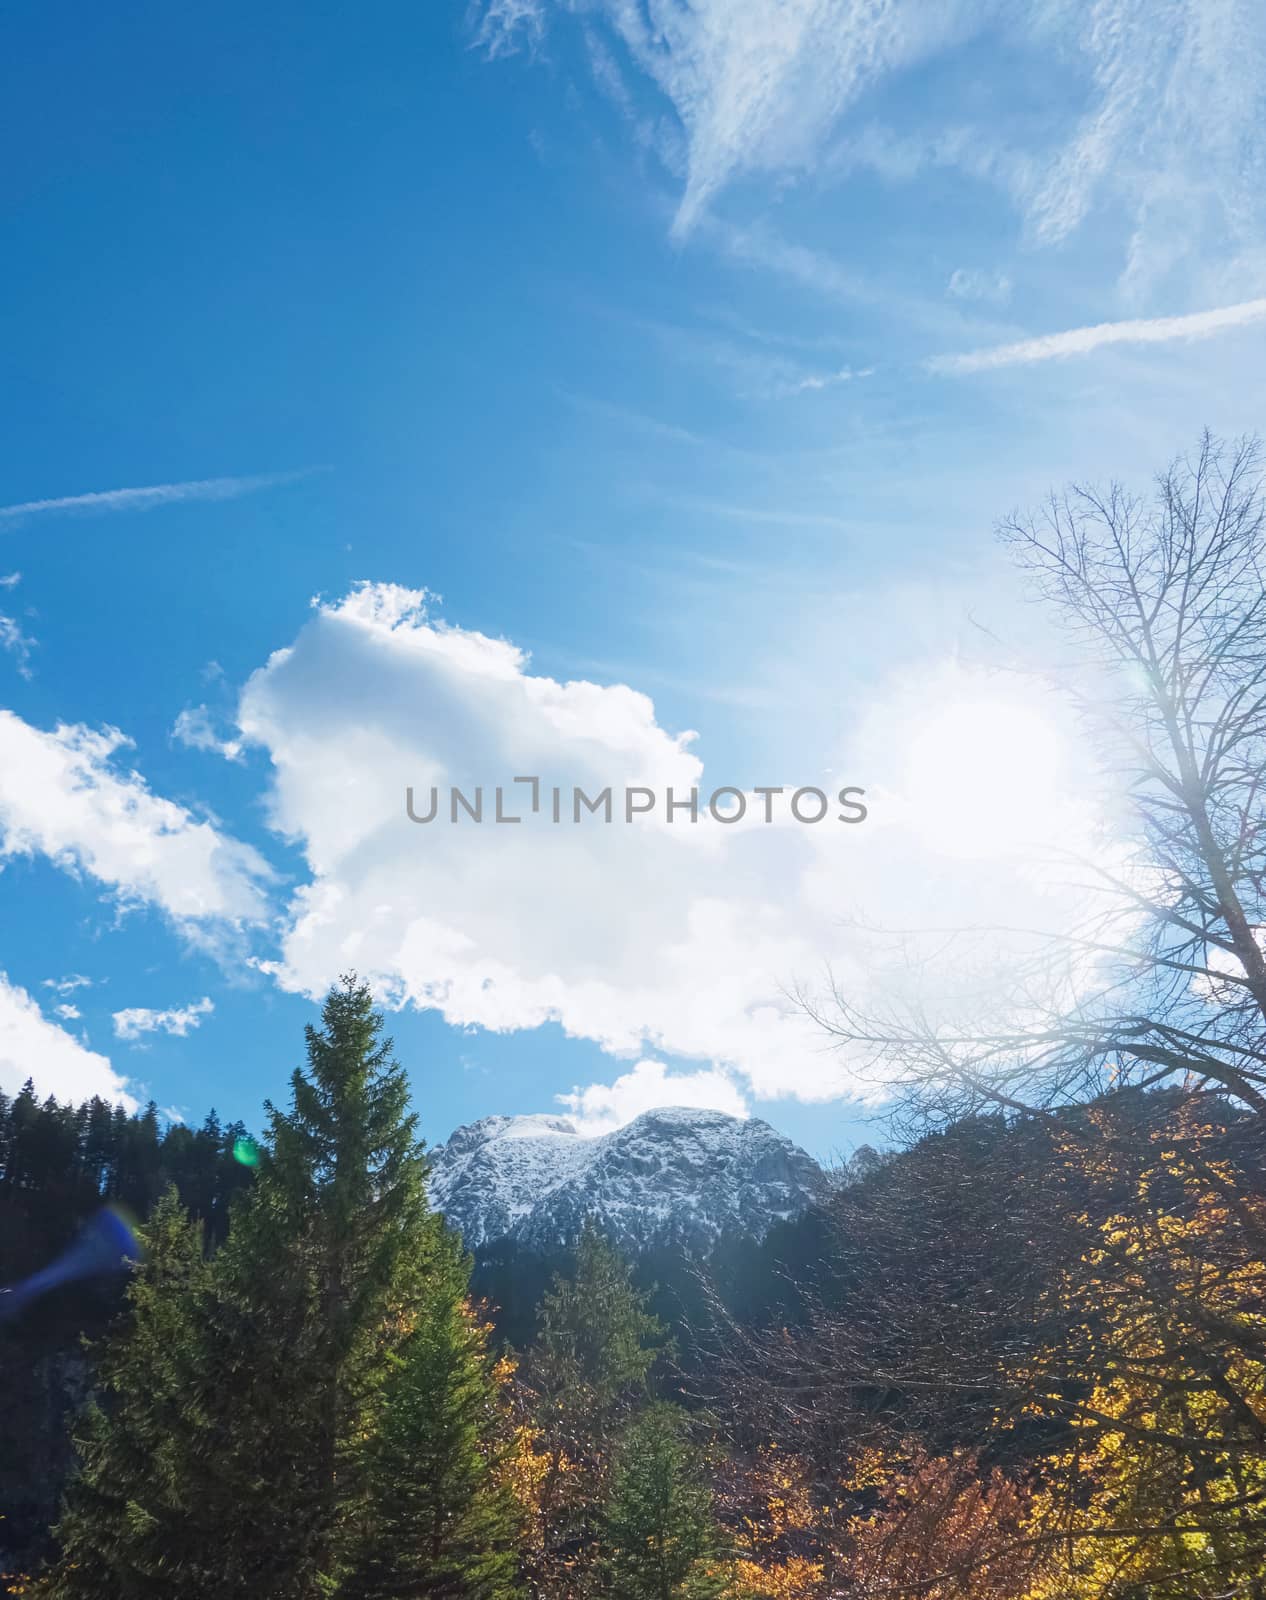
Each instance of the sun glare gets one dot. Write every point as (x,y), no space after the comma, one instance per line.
(987,777)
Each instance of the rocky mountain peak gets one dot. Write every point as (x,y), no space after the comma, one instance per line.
(676,1173)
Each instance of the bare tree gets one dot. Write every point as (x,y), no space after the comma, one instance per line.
(1087,1308)
(1049,1345)
(1165,978)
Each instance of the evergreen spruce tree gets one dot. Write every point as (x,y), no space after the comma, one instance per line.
(597,1341)
(659,1538)
(589,1367)
(129,1528)
(321,1264)
(440,1520)
(258,1429)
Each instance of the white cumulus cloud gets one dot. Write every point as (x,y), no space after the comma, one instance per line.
(600,1107)
(196,727)
(135,1021)
(65,796)
(68,984)
(682,939)
(33,1047)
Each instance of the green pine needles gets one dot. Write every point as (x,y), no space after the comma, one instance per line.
(314,1411)
(659,1539)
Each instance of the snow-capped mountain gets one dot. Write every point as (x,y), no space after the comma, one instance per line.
(673,1174)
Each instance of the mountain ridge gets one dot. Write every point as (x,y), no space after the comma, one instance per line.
(673,1174)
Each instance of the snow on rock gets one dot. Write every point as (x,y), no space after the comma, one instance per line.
(677,1173)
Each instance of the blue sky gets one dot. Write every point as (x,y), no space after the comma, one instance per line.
(688,355)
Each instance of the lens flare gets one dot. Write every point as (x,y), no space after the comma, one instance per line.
(106,1243)
(246,1151)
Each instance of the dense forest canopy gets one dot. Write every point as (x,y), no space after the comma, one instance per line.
(961,1338)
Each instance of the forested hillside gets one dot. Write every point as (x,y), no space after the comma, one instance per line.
(1017,1357)
(58,1165)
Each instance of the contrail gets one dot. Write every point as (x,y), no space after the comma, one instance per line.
(153,495)
(1080,341)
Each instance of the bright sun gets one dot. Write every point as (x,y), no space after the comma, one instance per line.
(986,777)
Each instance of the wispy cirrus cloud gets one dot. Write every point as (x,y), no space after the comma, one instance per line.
(757,245)
(1165,116)
(973,283)
(17,644)
(755,365)
(153,495)
(1173,130)
(505,23)
(13,639)
(814,381)
(760,247)
(755,84)
(1081,341)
